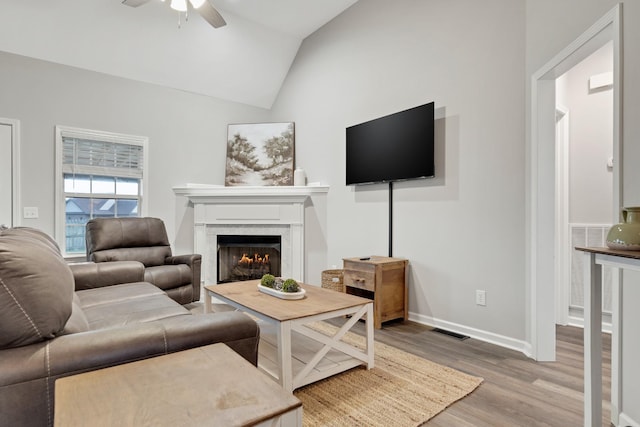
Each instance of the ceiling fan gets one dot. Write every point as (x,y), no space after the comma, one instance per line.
(204,8)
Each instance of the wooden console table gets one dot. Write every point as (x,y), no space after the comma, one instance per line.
(209,385)
(382,279)
(594,259)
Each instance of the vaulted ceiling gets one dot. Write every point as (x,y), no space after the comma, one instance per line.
(245,61)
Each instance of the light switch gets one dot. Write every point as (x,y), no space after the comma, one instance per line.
(30,212)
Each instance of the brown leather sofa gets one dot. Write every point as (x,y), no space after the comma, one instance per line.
(145,240)
(58,320)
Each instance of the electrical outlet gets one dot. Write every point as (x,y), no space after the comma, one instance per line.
(30,213)
(481,297)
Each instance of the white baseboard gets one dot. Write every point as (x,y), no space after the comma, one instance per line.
(576,318)
(579,322)
(626,421)
(478,334)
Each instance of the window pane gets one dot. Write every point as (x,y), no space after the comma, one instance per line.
(127,186)
(103,208)
(77,183)
(127,207)
(75,242)
(104,185)
(76,215)
(77,210)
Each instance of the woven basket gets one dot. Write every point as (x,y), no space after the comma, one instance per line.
(332,279)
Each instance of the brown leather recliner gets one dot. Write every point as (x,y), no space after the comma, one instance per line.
(145,240)
(58,320)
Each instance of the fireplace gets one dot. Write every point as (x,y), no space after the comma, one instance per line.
(258,211)
(247,257)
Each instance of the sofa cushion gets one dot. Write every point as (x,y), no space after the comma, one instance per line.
(126,233)
(78,321)
(32,233)
(111,294)
(137,310)
(36,288)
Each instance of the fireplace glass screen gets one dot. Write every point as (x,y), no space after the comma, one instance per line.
(248,257)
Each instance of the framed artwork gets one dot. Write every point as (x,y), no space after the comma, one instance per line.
(260,154)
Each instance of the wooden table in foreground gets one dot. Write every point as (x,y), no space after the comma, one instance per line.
(594,259)
(205,386)
(300,355)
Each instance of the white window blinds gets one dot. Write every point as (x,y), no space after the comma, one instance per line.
(84,156)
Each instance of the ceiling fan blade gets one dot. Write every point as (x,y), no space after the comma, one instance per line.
(134,3)
(211,15)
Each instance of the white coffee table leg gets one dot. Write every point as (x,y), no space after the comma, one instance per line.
(284,355)
(369,325)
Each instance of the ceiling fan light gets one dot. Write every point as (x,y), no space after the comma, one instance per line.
(179,5)
(197,3)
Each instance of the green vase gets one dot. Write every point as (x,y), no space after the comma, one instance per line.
(626,235)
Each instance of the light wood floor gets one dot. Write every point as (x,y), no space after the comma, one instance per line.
(516,391)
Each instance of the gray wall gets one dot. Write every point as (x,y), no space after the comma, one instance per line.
(463,230)
(187,132)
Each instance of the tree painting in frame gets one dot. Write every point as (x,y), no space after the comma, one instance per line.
(260,154)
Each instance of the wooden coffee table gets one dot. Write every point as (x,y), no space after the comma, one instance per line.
(296,354)
(210,385)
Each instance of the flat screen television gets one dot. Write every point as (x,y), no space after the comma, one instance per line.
(396,147)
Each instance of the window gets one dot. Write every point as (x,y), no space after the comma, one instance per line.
(98,174)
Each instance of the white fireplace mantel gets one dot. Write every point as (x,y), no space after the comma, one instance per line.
(204,193)
(220,210)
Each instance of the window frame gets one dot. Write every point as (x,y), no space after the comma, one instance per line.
(103,136)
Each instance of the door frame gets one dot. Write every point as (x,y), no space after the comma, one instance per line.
(15,169)
(562,262)
(542,198)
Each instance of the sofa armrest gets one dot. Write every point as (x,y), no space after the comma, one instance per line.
(195,262)
(28,373)
(89,275)
(86,351)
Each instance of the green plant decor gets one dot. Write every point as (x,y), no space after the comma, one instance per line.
(290,285)
(268,281)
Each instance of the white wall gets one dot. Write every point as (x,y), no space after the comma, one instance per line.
(590,139)
(551,26)
(187,133)
(6,181)
(463,230)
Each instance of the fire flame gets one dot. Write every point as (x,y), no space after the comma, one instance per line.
(257,259)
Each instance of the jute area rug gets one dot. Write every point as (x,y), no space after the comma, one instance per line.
(401,390)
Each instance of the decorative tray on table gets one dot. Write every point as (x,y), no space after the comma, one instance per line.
(280,294)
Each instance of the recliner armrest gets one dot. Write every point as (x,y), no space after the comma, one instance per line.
(190,259)
(195,262)
(89,275)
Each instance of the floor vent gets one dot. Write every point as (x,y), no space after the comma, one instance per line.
(451,334)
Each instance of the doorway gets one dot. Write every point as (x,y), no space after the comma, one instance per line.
(542,201)
(584,178)
(9,172)
(542,191)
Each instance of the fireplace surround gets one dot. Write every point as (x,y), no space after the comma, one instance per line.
(250,211)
